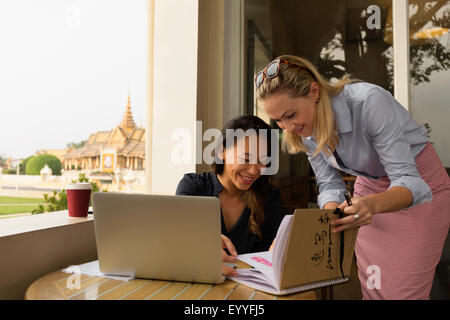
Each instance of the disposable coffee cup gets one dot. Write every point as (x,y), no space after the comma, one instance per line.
(78,196)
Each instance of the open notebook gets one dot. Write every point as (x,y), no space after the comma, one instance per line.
(306,255)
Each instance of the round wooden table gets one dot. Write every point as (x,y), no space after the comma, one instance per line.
(59,285)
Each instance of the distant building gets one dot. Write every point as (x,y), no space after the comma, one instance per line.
(107,151)
(11,164)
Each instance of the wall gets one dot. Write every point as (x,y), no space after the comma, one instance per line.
(233,60)
(174,92)
(210,70)
(31,254)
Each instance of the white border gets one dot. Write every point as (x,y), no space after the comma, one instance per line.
(400,18)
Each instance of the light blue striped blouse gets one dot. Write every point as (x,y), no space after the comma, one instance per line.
(377,137)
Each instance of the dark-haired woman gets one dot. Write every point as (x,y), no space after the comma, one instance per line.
(250,205)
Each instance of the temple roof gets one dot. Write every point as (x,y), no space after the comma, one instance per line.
(133,149)
(133,143)
(138,134)
(128,121)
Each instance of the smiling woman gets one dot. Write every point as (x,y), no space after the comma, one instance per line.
(401,190)
(304,108)
(250,205)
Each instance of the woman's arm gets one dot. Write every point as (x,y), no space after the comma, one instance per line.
(186,186)
(227,244)
(394,199)
(329,180)
(385,122)
(331,205)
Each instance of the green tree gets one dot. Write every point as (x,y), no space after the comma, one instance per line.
(76,145)
(2,161)
(57,201)
(36,163)
(23,164)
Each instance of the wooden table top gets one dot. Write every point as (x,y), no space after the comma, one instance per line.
(59,285)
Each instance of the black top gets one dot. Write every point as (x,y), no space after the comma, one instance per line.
(207,184)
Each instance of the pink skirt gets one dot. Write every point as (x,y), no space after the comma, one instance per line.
(397,252)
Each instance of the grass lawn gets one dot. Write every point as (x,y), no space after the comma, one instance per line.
(12,205)
(16,209)
(20,200)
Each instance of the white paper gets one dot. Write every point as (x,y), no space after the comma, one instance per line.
(261,261)
(255,279)
(93,269)
(280,247)
(261,275)
(267,265)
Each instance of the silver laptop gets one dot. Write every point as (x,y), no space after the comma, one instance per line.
(158,237)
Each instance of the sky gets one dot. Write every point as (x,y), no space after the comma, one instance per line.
(66,68)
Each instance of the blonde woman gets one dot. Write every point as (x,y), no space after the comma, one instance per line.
(402,192)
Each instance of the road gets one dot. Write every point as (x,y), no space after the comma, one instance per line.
(29,189)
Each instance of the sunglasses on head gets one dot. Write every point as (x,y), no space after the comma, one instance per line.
(271,71)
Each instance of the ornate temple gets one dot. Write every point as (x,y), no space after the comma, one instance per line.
(108,151)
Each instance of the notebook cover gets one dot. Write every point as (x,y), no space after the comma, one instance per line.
(313,250)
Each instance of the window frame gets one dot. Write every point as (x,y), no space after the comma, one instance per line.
(400,20)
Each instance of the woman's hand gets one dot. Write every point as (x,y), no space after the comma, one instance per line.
(359,214)
(394,199)
(227,244)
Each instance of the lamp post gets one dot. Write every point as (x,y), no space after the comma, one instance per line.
(1,172)
(61,181)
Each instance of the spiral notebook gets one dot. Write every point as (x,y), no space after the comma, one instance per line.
(306,255)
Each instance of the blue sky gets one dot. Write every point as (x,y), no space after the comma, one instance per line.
(66,67)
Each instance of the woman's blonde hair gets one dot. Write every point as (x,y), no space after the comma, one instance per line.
(296,81)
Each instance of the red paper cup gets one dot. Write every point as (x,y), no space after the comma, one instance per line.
(78,196)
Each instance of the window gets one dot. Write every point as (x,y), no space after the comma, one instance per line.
(429,25)
(73,73)
(346,36)
(338,37)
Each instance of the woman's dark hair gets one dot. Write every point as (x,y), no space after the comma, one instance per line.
(254,196)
